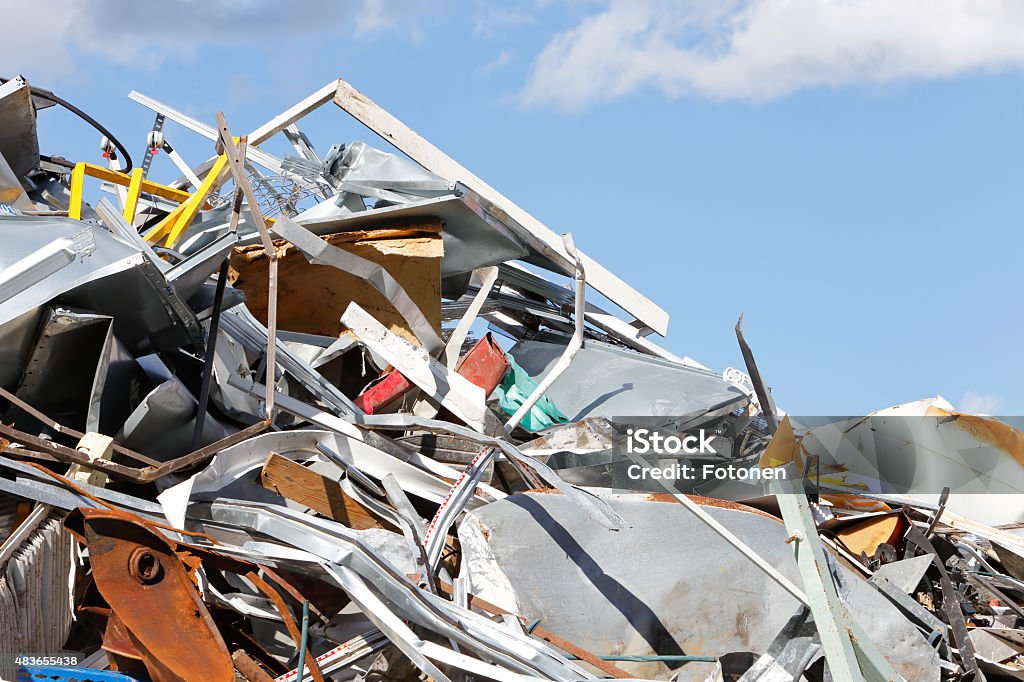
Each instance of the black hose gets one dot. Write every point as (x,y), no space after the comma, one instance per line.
(50,97)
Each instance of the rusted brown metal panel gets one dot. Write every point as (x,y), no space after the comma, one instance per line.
(151,592)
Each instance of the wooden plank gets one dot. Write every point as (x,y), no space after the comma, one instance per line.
(316,290)
(538,235)
(297,483)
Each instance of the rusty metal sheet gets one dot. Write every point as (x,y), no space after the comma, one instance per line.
(149,589)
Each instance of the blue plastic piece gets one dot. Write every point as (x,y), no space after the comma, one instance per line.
(60,673)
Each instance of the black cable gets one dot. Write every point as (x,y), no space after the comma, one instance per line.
(50,97)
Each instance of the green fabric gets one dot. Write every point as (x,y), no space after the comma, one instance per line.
(515,387)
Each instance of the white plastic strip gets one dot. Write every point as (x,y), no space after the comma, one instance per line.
(465,399)
(342,656)
(451,351)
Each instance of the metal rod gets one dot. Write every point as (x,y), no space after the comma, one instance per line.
(575,343)
(211,348)
(237,166)
(271,379)
(144,475)
(764,398)
(302,641)
(75,433)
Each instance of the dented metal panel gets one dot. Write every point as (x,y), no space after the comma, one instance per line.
(18,142)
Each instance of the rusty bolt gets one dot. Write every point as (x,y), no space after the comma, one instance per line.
(795,537)
(144,566)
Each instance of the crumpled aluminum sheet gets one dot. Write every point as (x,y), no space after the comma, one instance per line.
(342,547)
(163,423)
(96,271)
(236,462)
(644,589)
(606,381)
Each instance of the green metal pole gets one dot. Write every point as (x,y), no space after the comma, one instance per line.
(301,672)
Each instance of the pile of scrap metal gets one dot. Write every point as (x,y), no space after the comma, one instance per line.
(251,428)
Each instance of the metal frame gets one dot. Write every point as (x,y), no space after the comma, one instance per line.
(534,232)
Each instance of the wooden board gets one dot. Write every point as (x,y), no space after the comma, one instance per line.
(311,298)
(297,483)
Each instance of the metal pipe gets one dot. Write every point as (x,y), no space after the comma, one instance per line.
(575,343)
(237,168)
(211,348)
(303,640)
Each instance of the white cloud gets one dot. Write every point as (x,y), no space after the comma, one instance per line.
(761,49)
(490,19)
(51,35)
(501,60)
(980,403)
(376,15)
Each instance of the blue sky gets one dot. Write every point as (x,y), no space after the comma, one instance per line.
(848,175)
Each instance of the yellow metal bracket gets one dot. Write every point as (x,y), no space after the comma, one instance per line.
(173,225)
(170,229)
(135,183)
